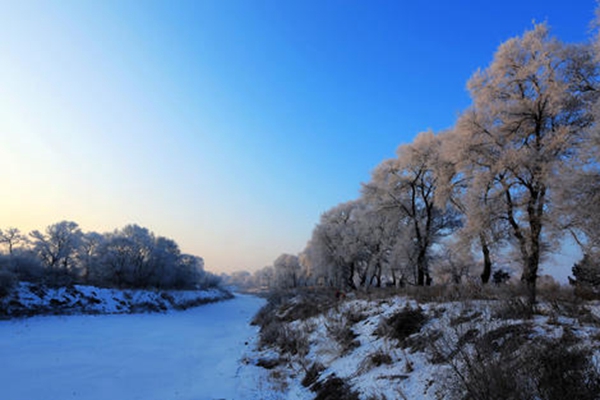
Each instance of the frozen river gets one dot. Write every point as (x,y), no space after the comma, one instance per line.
(192,355)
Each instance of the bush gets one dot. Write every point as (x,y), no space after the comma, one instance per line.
(278,334)
(312,374)
(334,388)
(380,358)
(26,266)
(59,277)
(8,281)
(340,329)
(507,363)
(500,276)
(402,324)
(308,304)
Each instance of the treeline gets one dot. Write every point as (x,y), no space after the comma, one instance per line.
(131,257)
(518,172)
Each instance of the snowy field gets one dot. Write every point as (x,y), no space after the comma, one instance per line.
(194,355)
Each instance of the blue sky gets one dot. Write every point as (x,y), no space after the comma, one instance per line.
(230,125)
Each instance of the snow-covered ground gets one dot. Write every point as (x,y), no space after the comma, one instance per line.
(195,354)
(344,340)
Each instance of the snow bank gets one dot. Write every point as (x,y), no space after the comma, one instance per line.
(31,299)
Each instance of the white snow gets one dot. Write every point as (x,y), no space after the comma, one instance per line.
(195,354)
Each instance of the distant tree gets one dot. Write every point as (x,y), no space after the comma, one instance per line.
(265,277)
(12,237)
(88,255)
(454,262)
(165,265)
(188,273)
(336,251)
(57,249)
(287,270)
(240,279)
(114,258)
(529,118)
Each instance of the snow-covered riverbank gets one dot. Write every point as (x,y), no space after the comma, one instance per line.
(32,299)
(194,354)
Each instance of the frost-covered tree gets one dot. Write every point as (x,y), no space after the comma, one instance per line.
(287,270)
(326,252)
(529,119)
(350,245)
(57,249)
(188,273)
(482,227)
(58,246)
(12,237)
(265,277)
(406,186)
(163,263)
(581,195)
(89,253)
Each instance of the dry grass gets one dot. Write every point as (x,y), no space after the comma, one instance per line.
(339,327)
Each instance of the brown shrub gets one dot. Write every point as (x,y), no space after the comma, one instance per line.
(402,324)
(334,388)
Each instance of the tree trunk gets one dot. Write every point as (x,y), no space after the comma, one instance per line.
(535,211)
(422,273)
(487,261)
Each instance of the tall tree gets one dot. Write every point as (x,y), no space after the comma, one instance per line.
(529,118)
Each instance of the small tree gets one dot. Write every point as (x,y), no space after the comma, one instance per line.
(586,272)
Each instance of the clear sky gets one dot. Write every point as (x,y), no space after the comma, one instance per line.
(230,125)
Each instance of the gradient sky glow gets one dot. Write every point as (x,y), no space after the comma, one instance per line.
(230,125)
